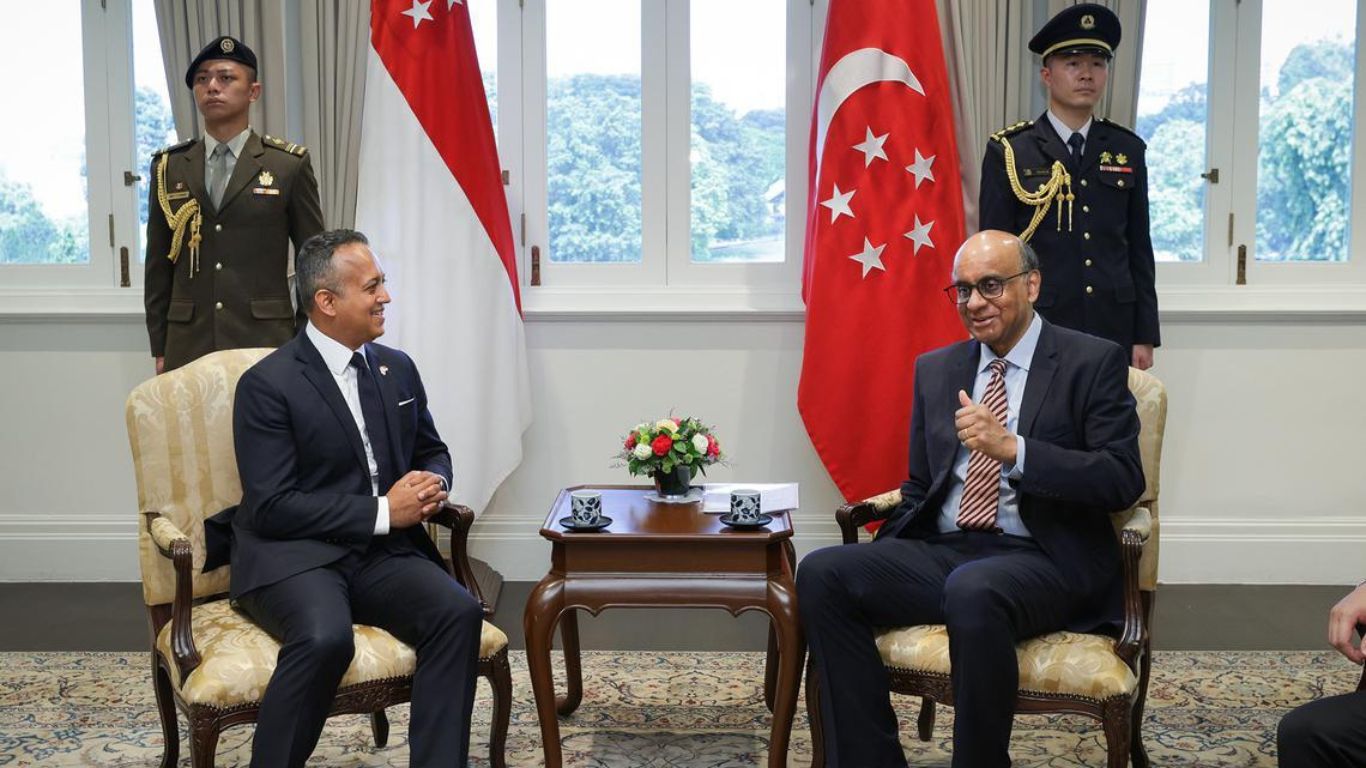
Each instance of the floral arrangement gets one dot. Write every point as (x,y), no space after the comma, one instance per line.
(659,447)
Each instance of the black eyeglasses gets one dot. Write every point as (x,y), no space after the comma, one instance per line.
(989,287)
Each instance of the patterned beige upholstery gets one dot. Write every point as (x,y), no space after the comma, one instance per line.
(238,658)
(180,430)
(1150,397)
(1060,663)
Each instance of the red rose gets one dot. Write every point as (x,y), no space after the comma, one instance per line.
(631,441)
(713,448)
(662,444)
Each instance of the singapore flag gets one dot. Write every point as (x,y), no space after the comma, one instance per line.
(884,220)
(431,202)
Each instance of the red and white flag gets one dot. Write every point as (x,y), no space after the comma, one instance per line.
(885,217)
(431,201)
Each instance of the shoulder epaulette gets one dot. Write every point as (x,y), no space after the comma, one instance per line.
(174,147)
(284,146)
(1124,128)
(1011,130)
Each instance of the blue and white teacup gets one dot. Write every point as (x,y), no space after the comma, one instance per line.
(585,507)
(744,506)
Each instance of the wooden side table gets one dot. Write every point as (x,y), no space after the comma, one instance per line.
(662,555)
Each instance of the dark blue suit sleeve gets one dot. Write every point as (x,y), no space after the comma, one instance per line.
(1107,472)
(267,462)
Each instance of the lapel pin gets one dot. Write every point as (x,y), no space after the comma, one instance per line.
(384,370)
(267,178)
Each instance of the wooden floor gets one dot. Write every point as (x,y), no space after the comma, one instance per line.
(109,616)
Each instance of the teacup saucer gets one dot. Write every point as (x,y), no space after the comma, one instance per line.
(759,522)
(569,524)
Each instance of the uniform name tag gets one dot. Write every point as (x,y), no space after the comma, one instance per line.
(178,195)
(265,191)
(1117,168)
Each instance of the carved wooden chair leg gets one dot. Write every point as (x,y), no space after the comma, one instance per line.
(203,741)
(170,730)
(499,673)
(813,715)
(924,723)
(1137,751)
(379,724)
(1116,724)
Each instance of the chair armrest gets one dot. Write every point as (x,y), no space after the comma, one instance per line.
(1140,522)
(1133,637)
(853,516)
(176,546)
(458,518)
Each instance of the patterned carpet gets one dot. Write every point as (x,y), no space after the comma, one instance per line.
(667,709)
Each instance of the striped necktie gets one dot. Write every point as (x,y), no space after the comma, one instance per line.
(981,490)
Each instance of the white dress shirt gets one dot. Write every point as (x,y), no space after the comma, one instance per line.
(1065,132)
(1018,360)
(337,358)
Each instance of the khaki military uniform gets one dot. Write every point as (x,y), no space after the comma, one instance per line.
(217,277)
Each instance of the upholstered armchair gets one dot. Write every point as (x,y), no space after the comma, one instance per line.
(1062,672)
(209,661)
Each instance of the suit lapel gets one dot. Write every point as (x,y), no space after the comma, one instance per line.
(1049,143)
(388,392)
(962,375)
(1097,139)
(1041,370)
(192,170)
(315,370)
(247,168)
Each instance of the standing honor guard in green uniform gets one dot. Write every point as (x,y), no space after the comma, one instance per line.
(222,212)
(1075,186)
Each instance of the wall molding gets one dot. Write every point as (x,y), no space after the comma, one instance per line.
(1316,550)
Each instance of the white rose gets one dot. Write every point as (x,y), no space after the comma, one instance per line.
(667,425)
(642,451)
(699,443)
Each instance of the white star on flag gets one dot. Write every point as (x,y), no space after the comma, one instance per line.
(921,168)
(870,258)
(872,147)
(452,3)
(419,12)
(920,235)
(839,204)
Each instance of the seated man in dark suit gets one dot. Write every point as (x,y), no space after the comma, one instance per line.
(1022,440)
(1331,732)
(340,464)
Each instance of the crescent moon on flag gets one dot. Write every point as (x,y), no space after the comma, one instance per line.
(855,70)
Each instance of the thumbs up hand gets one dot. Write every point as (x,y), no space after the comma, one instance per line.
(979,430)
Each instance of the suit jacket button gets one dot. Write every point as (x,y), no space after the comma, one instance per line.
(1086,235)
(1086,209)
(218,266)
(1088,262)
(1089,289)
(1083,182)
(218,227)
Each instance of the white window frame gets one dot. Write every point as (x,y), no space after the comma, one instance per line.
(95,288)
(1211,286)
(665,279)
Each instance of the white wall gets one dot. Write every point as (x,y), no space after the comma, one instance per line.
(1261,484)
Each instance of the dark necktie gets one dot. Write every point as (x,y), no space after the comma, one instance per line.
(982,488)
(372,408)
(1075,142)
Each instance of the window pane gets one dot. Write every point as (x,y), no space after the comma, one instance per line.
(1172,114)
(738,152)
(1304,169)
(593,130)
(44,217)
(484,20)
(153,126)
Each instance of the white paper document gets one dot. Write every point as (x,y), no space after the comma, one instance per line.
(773,497)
